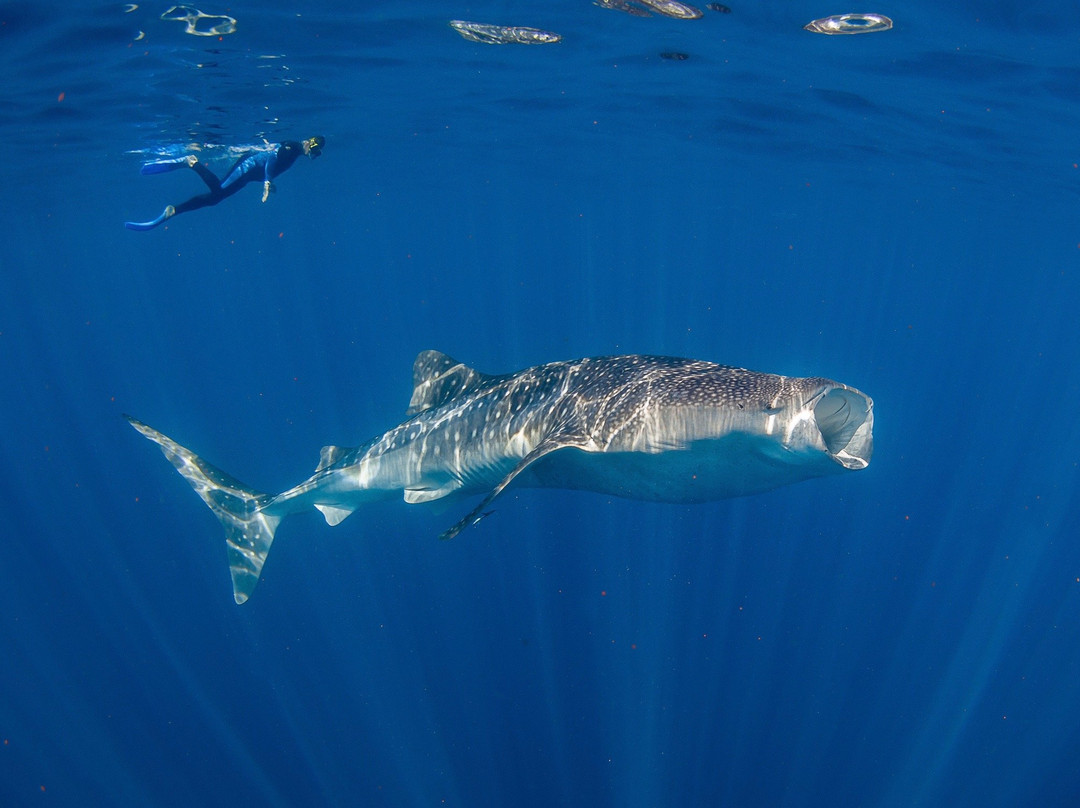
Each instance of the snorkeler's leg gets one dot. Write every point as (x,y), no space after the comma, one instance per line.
(208,176)
(196,202)
(200,201)
(169,212)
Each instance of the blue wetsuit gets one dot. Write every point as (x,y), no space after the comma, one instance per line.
(260,165)
(255,166)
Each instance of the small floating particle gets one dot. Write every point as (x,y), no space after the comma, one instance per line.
(718,7)
(850,24)
(503,34)
(675,56)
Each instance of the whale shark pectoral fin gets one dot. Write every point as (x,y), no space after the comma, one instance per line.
(414,496)
(543,448)
(334,516)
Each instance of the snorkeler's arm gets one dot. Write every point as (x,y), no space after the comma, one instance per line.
(270,172)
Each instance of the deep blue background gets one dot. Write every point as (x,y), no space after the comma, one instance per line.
(897,211)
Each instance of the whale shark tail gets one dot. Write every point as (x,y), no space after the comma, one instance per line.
(246,514)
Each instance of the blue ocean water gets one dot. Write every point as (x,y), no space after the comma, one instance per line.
(896,210)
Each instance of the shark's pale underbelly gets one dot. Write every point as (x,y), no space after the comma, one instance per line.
(708,470)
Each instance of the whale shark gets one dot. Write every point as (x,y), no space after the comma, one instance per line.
(640,427)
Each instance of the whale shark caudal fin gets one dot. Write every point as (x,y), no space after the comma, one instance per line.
(242,511)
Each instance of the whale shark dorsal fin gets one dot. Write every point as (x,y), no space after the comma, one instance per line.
(437,378)
(328,456)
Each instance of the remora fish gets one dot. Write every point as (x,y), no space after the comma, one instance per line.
(641,427)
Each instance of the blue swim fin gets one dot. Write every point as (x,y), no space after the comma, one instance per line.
(165,214)
(161,166)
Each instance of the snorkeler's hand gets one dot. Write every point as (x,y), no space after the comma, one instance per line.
(267,188)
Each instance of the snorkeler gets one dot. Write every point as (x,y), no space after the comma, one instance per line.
(264,164)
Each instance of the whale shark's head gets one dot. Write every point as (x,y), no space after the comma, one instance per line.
(791,427)
(696,432)
(838,418)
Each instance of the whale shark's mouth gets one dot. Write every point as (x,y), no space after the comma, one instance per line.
(845,418)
